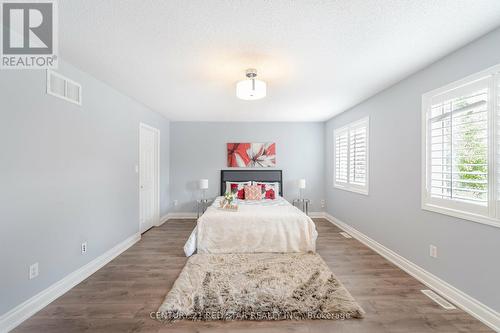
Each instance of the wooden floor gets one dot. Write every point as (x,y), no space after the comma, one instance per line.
(120,296)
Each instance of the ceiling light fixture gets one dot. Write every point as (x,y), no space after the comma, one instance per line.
(251,88)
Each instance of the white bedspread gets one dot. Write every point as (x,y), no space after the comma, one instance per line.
(257,226)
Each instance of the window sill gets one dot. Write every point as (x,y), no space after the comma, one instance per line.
(351,189)
(462,215)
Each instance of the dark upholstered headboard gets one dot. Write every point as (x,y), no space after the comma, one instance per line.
(253,175)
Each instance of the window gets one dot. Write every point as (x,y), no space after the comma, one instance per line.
(461,148)
(351,157)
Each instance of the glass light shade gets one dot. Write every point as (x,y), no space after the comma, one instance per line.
(302,183)
(251,89)
(203,184)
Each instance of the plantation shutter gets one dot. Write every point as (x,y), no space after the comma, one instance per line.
(497,138)
(351,157)
(458,144)
(341,155)
(461,156)
(358,149)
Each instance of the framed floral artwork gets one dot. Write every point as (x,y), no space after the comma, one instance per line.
(251,155)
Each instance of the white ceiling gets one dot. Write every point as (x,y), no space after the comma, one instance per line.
(183,57)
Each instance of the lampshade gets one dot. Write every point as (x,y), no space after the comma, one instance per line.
(251,88)
(302,183)
(203,184)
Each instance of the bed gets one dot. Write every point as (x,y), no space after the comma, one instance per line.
(257,226)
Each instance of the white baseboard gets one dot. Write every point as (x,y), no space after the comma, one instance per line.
(467,303)
(177,215)
(162,220)
(316,215)
(23,311)
(182,215)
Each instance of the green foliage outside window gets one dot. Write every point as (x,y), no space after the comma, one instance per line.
(472,158)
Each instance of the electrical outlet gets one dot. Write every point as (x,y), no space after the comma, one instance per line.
(84,247)
(176,202)
(323,203)
(136,168)
(33,273)
(433,251)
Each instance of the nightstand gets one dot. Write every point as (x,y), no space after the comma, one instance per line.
(302,204)
(202,206)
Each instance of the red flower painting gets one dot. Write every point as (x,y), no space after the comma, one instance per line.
(251,155)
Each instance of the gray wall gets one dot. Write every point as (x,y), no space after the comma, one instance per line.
(67,175)
(468,252)
(198,150)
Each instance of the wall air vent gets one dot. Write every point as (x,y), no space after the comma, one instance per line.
(64,88)
(438,299)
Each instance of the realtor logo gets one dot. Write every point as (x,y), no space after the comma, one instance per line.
(29,34)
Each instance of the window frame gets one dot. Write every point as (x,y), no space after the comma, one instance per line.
(490,214)
(347,186)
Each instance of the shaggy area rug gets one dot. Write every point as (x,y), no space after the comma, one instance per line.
(260,286)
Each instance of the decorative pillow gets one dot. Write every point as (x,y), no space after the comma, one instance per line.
(274,185)
(237,188)
(253,192)
(269,190)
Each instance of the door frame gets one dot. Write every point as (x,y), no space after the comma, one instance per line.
(156,173)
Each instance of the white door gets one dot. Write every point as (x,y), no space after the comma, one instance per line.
(149,160)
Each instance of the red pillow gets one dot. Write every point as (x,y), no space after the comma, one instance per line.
(268,191)
(239,189)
